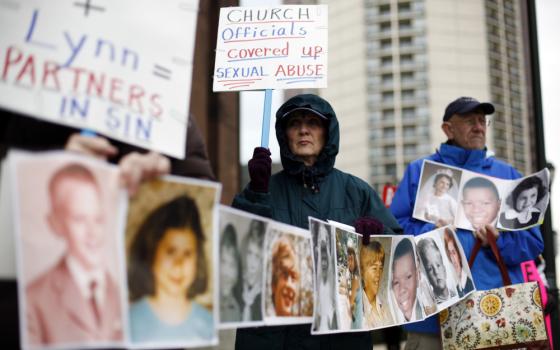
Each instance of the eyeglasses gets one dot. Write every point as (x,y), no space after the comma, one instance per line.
(479,119)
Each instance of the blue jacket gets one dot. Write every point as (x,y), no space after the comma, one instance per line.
(320,191)
(515,246)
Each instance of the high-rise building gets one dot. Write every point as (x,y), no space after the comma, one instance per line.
(394,65)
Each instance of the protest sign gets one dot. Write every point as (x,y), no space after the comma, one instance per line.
(122,69)
(282,47)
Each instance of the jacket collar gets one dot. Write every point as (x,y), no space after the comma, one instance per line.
(464,158)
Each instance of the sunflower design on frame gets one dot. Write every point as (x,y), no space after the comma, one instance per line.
(523,330)
(537,296)
(443,316)
(468,337)
(490,304)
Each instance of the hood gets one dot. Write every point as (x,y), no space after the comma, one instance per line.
(325,161)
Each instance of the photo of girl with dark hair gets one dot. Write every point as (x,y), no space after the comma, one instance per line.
(522,202)
(167,269)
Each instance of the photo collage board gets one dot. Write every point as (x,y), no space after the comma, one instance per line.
(452,196)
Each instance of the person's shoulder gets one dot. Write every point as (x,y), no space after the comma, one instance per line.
(49,281)
(502,168)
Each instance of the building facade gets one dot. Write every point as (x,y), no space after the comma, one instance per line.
(394,65)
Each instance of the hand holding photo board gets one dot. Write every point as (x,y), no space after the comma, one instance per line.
(120,68)
(281,47)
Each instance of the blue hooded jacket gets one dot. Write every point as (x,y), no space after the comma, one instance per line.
(515,246)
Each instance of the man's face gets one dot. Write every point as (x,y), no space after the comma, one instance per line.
(404,282)
(285,291)
(372,269)
(527,199)
(253,269)
(78,217)
(454,257)
(435,270)
(467,130)
(480,205)
(306,136)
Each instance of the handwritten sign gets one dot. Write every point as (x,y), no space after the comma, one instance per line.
(121,68)
(283,47)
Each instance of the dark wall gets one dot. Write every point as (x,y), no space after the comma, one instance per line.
(217,114)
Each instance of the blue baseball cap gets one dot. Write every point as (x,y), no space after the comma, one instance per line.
(464,105)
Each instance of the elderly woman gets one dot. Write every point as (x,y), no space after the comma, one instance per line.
(308,185)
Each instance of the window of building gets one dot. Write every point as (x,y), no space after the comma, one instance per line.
(389,151)
(408,113)
(389,132)
(407,77)
(387,78)
(388,114)
(404,6)
(405,24)
(386,43)
(391,169)
(387,96)
(386,61)
(409,149)
(407,59)
(385,27)
(384,9)
(407,94)
(409,131)
(405,41)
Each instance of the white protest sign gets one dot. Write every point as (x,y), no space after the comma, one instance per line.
(121,68)
(282,47)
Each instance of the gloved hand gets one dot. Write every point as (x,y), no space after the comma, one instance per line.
(259,169)
(367,226)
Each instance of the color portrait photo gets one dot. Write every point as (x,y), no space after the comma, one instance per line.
(241,261)
(171,236)
(288,275)
(68,211)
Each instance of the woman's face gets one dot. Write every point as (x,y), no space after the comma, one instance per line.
(527,199)
(229,272)
(442,185)
(174,266)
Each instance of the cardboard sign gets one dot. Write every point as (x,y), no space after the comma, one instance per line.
(282,47)
(120,68)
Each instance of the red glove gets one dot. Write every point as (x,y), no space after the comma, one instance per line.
(259,169)
(367,226)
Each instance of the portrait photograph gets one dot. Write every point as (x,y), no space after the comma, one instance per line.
(241,261)
(404,286)
(437,274)
(171,241)
(525,202)
(326,316)
(373,262)
(456,257)
(68,212)
(480,198)
(437,195)
(349,290)
(288,275)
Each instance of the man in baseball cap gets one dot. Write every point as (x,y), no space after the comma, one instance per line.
(465,124)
